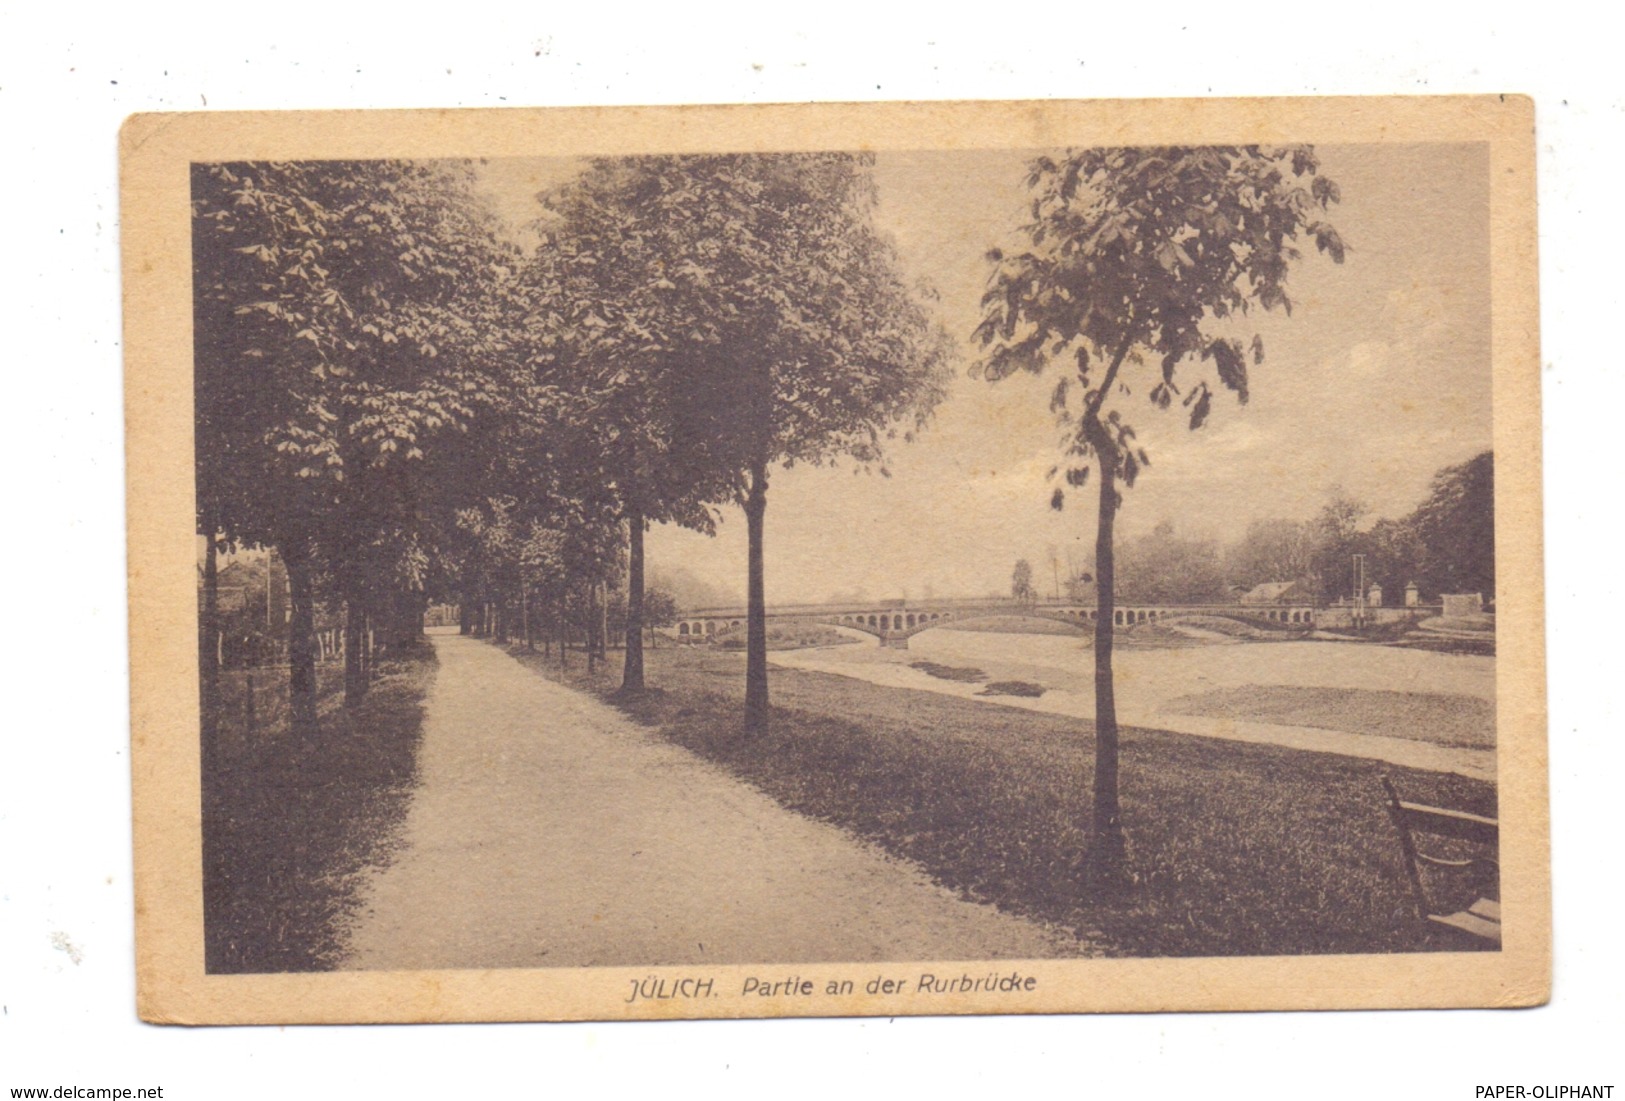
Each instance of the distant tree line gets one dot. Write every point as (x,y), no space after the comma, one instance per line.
(1445,545)
(409,407)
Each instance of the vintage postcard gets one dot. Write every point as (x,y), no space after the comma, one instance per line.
(835,560)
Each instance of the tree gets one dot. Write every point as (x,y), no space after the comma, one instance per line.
(1455,530)
(248,371)
(1021,581)
(1163,568)
(1392,553)
(660,609)
(630,338)
(1271,550)
(350,320)
(1080,586)
(804,343)
(1336,540)
(1142,262)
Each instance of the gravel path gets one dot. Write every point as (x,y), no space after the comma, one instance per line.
(550,831)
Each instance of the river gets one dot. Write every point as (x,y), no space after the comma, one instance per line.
(1148,681)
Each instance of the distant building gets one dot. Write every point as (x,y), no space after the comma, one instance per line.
(1277,592)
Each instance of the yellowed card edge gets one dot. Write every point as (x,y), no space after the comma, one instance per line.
(155,152)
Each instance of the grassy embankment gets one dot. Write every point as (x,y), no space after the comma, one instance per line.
(286,832)
(1442,720)
(1235,848)
(785,636)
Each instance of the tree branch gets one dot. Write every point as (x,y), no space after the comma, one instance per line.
(1089,424)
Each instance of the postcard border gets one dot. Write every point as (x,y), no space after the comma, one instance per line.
(156,150)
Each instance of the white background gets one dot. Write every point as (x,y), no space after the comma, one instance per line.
(68,77)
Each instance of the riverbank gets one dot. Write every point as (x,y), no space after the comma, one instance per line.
(1406,708)
(1235,849)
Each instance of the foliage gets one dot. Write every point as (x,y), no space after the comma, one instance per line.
(780,300)
(1271,550)
(807,343)
(1149,251)
(1455,530)
(1021,581)
(625,334)
(1161,567)
(1446,544)
(1145,257)
(1337,538)
(345,319)
(351,321)
(660,608)
(393,396)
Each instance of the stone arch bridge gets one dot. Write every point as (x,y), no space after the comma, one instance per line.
(895,622)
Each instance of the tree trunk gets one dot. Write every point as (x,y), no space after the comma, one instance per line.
(756,701)
(465,615)
(524,616)
(590,627)
(563,629)
(632,670)
(301,639)
(208,655)
(355,676)
(1105,861)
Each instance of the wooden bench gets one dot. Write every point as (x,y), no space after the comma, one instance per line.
(1483,918)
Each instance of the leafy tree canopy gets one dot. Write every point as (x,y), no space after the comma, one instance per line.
(1455,528)
(1149,252)
(785,300)
(1021,580)
(348,314)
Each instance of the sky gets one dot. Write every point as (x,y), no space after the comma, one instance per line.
(1380,377)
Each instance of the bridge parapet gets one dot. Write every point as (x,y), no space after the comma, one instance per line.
(894,622)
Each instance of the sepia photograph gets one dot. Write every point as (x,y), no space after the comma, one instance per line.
(883,559)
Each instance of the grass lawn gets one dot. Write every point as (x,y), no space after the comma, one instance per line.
(1419,716)
(786,636)
(1236,849)
(287,828)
